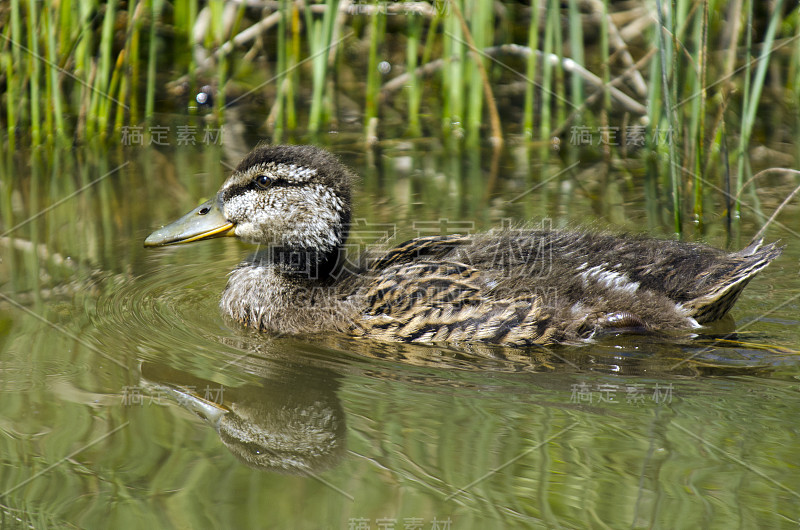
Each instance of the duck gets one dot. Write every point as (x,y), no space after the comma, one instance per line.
(509,286)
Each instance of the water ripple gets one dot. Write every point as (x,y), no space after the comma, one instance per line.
(173,308)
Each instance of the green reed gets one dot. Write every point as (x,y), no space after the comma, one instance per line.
(530,73)
(54,118)
(34,69)
(545,123)
(753,90)
(605,57)
(133,63)
(576,50)
(454,53)
(321,45)
(377,29)
(294,75)
(414,90)
(481,22)
(282,60)
(668,116)
(699,111)
(794,78)
(152,57)
(11,36)
(72,70)
(100,98)
(561,99)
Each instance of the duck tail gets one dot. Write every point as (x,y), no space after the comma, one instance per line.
(753,247)
(718,300)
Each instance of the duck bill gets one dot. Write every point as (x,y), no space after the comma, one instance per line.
(204,222)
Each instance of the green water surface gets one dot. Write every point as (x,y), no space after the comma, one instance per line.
(116,365)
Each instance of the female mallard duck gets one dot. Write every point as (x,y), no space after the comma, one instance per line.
(511,287)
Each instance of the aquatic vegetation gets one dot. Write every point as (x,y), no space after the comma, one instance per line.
(680,86)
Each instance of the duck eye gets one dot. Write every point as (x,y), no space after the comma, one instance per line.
(262,181)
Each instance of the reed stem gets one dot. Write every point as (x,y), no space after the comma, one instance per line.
(530,72)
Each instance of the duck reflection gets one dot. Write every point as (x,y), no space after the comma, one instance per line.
(292,423)
(290,420)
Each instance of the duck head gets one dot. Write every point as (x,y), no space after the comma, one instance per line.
(296,198)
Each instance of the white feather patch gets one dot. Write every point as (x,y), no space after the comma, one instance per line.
(609,279)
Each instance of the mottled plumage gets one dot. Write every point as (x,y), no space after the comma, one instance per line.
(510,286)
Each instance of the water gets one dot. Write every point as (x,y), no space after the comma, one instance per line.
(128,401)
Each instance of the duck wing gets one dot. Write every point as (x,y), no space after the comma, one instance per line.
(433,301)
(430,247)
(536,286)
(703,281)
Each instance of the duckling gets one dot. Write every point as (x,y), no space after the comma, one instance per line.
(512,287)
